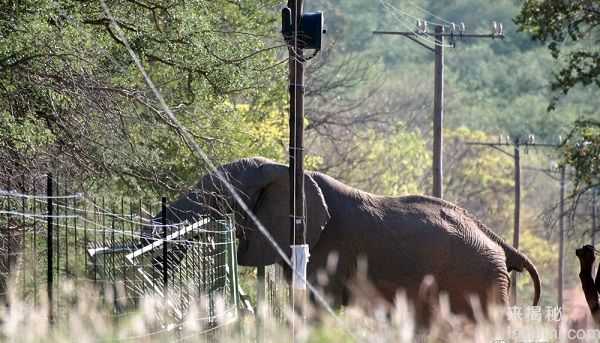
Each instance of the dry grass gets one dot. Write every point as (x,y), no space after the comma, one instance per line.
(85,317)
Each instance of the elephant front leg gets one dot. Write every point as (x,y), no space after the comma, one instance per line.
(586,260)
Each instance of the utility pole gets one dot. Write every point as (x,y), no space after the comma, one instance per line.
(300,31)
(517,213)
(438,114)
(440,34)
(516,156)
(296,123)
(561,224)
(594,214)
(561,241)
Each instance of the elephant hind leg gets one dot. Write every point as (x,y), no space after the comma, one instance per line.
(488,292)
(498,294)
(500,287)
(492,293)
(427,303)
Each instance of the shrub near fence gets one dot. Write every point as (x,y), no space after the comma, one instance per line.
(50,237)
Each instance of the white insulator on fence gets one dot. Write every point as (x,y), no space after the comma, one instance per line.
(300,255)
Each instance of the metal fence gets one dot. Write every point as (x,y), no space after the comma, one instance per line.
(50,235)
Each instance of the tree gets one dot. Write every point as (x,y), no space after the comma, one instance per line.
(582,152)
(570,28)
(72,99)
(390,163)
(479,179)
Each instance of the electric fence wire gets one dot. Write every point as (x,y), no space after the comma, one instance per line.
(29,196)
(94,226)
(38,216)
(138,289)
(197,150)
(107,229)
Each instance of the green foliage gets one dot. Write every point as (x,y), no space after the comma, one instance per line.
(570,29)
(390,164)
(478,178)
(27,134)
(496,86)
(543,253)
(582,152)
(65,72)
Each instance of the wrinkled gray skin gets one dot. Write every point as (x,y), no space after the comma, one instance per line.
(403,239)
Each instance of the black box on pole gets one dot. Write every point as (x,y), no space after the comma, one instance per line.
(310,34)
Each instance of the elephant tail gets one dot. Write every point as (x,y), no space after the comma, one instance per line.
(516,260)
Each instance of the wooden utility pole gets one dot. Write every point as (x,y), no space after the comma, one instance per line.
(594,214)
(517,215)
(561,225)
(438,114)
(440,34)
(516,156)
(561,239)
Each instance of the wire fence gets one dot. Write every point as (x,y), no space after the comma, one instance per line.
(50,235)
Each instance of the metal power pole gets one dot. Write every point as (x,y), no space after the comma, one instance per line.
(438,114)
(301,31)
(517,216)
(439,36)
(561,239)
(296,149)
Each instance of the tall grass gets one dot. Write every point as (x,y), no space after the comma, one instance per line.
(86,316)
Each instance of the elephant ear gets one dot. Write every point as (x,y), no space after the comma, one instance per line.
(272,209)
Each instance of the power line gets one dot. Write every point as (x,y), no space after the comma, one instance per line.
(399,11)
(407,25)
(440,35)
(428,12)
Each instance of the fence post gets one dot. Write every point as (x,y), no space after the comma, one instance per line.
(233,261)
(165,250)
(260,299)
(49,246)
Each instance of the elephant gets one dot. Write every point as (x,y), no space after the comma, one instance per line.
(402,239)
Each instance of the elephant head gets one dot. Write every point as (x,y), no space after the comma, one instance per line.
(264,187)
